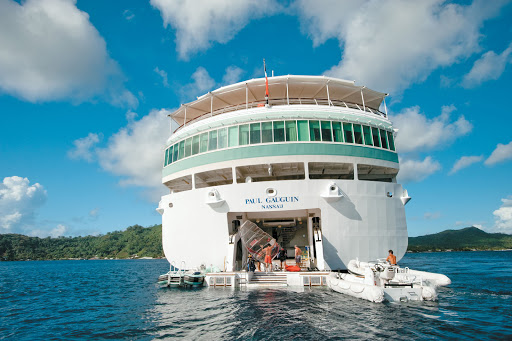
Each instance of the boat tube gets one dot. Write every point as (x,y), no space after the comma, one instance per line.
(367,280)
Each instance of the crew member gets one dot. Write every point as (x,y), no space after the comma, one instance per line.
(298,254)
(391,258)
(268,258)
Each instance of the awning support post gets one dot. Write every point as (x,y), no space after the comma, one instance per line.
(328,96)
(385,108)
(364,107)
(287,96)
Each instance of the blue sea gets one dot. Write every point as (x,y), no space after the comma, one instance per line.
(119,299)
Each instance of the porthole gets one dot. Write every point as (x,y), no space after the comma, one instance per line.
(271,192)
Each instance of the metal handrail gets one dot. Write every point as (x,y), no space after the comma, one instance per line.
(284,101)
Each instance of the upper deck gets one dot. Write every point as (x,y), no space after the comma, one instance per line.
(284,90)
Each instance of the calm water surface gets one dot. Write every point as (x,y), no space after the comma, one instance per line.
(118,299)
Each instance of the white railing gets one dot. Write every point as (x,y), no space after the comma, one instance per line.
(284,101)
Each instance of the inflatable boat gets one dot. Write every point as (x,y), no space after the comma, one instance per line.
(379,281)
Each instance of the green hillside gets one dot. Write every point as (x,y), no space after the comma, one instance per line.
(469,238)
(135,240)
(147,242)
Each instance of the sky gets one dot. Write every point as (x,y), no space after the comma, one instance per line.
(86,86)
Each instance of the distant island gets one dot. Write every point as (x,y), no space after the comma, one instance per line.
(466,239)
(134,242)
(146,242)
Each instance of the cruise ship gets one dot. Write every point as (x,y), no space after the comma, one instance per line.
(313,164)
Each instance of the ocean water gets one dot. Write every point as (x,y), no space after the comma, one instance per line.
(119,299)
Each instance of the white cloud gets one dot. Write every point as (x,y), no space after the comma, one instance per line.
(162,74)
(464,162)
(49,50)
(417,132)
(202,82)
(503,216)
(489,67)
(19,202)
(415,170)
(83,147)
(135,152)
(128,15)
(199,23)
(431,215)
(232,75)
(502,153)
(390,44)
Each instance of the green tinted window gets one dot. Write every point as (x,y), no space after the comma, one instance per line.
(314,131)
(375,137)
(291,131)
(182,150)
(303,130)
(175,153)
(171,160)
(255,133)
(212,142)
(279,131)
(349,137)
(337,132)
(266,132)
(358,134)
(195,145)
(243,134)
(367,136)
(391,141)
(233,136)
(383,139)
(203,143)
(222,138)
(188,147)
(326,130)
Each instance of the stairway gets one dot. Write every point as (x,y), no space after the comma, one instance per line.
(270,279)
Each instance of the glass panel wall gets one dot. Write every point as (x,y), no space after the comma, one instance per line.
(337,132)
(291,131)
(255,133)
(303,130)
(279,131)
(326,131)
(347,128)
(243,135)
(266,132)
(314,131)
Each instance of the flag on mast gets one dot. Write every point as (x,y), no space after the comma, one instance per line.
(266,80)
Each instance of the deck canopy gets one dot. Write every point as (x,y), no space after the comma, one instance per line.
(283,90)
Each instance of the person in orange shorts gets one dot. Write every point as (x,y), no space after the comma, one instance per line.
(268,258)
(391,258)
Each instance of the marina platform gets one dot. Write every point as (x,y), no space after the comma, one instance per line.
(275,279)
